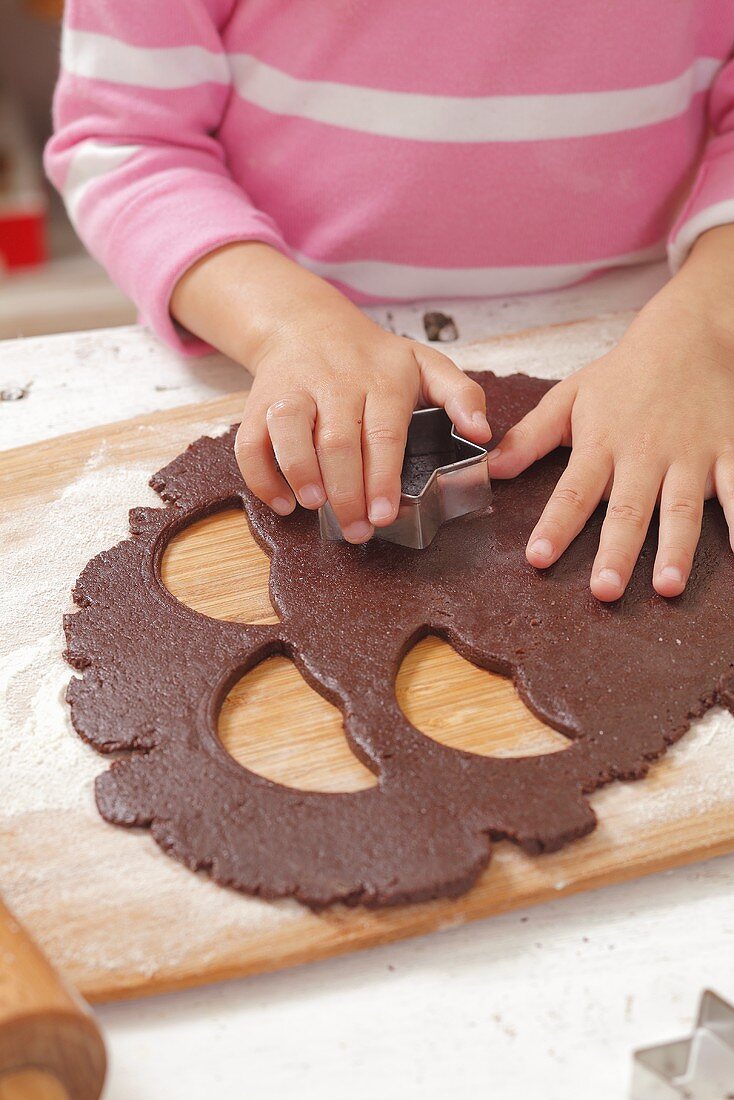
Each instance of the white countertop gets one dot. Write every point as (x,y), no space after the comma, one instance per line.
(542,1004)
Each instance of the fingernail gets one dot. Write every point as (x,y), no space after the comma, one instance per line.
(358,532)
(312,496)
(541,548)
(380,508)
(495,453)
(611,576)
(282,506)
(480,422)
(671,573)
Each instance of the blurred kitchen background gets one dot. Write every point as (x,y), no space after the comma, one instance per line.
(47,281)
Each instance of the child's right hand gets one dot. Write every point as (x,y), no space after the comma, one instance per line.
(333,392)
(332,400)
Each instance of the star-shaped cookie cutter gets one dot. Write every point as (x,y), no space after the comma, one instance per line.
(452,490)
(700,1067)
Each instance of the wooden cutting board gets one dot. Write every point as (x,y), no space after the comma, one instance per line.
(123,920)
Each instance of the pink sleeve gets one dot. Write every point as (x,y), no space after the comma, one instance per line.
(711,200)
(143,179)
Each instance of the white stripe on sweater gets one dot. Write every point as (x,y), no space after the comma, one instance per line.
(393,114)
(395,281)
(469,118)
(91,161)
(101,57)
(720,213)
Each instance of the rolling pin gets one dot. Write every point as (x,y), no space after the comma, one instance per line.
(44,1026)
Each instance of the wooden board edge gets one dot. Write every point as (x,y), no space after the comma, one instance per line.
(428,920)
(206,410)
(502,339)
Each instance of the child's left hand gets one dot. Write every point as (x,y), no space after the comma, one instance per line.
(651,422)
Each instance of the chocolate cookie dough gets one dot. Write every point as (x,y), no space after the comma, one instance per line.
(418,468)
(621,681)
(439,326)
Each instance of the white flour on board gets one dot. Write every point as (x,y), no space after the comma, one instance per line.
(44,764)
(546,353)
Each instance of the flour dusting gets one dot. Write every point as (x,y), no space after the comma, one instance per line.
(547,353)
(692,778)
(43,764)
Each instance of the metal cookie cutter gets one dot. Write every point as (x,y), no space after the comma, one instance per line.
(459,486)
(700,1067)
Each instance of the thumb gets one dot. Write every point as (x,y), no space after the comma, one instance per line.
(541,430)
(444,384)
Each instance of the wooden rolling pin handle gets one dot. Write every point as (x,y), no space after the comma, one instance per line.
(43,1023)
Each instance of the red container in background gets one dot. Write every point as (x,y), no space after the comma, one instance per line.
(23,205)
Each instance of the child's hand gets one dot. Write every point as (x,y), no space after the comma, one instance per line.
(652,420)
(333,392)
(332,400)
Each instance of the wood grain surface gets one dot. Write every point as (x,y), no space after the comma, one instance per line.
(116,938)
(443,695)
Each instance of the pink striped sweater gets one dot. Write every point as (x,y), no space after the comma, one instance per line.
(400,148)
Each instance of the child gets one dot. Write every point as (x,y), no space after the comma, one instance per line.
(247,170)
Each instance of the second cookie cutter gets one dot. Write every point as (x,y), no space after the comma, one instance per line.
(700,1067)
(454,489)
